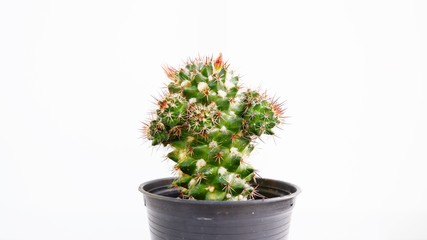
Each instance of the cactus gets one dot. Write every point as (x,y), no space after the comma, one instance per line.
(211,124)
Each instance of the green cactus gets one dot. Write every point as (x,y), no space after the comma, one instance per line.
(211,125)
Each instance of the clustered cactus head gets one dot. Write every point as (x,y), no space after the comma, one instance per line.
(211,124)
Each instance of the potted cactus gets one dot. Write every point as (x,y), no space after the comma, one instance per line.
(209,123)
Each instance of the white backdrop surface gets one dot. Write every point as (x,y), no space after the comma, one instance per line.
(77,78)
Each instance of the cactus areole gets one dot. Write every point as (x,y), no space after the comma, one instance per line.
(210,123)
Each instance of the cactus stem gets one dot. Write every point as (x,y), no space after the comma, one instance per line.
(211,123)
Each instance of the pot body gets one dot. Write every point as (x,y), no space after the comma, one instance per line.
(171,218)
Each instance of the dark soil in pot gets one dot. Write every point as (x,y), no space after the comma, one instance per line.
(171,218)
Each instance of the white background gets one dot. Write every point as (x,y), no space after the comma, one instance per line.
(77,78)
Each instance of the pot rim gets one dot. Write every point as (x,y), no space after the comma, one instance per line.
(219,203)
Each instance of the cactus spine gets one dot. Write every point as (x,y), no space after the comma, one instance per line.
(210,123)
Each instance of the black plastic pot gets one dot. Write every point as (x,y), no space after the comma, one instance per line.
(172,218)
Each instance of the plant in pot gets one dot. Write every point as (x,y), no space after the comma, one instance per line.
(210,124)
